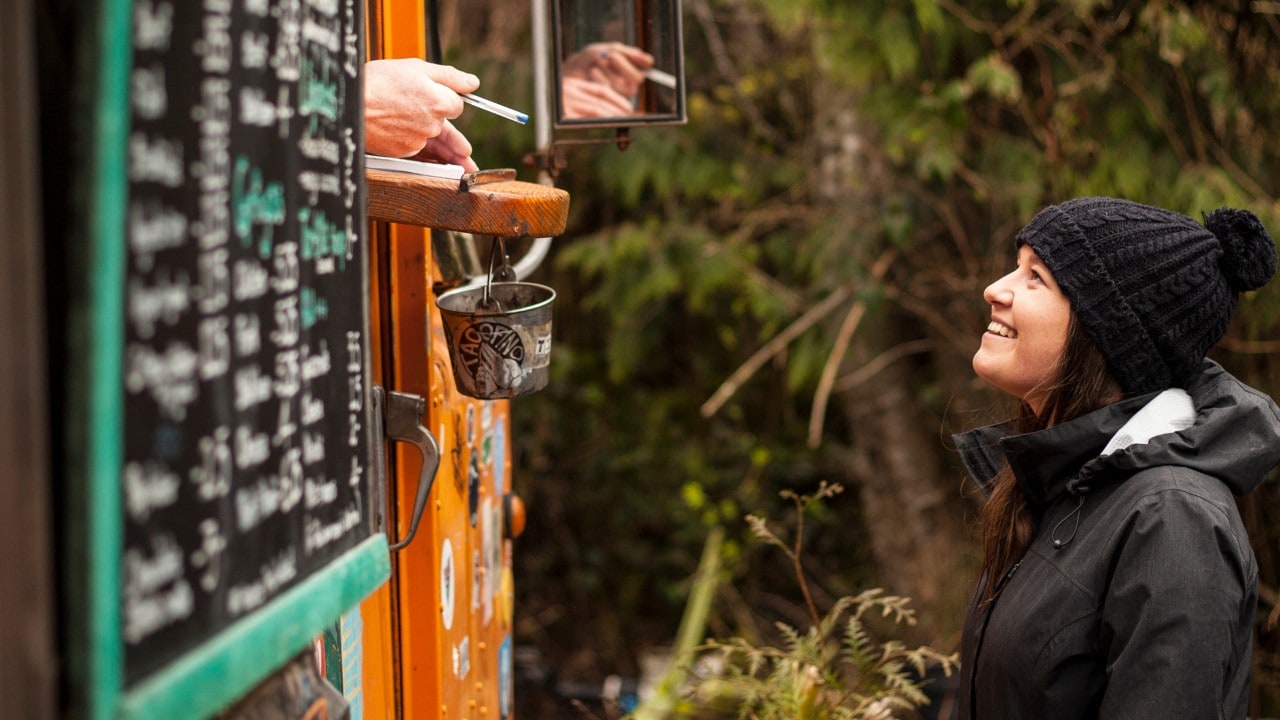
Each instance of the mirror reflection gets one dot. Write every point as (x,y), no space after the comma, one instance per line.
(618,62)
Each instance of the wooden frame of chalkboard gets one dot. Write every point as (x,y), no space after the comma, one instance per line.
(217,515)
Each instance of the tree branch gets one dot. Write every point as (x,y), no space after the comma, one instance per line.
(882,361)
(773,347)
(851,321)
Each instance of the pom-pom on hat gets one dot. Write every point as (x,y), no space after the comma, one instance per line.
(1153,288)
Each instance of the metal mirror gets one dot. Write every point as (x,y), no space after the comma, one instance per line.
(618,63)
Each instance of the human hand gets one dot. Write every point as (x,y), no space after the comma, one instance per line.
(615,64)
(407,106)
(587,99)
(450,147)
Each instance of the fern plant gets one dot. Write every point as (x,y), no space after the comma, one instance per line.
(833,670)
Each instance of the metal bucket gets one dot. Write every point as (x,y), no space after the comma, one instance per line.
(499,338)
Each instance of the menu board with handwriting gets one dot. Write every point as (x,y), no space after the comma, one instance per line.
(246,425)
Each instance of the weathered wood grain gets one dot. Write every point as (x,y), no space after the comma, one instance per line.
(508,208)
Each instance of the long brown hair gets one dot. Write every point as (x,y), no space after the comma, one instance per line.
(1081,384)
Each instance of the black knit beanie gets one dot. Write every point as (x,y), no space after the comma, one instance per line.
(1153,288)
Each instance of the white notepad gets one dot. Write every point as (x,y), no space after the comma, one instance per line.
(417,167)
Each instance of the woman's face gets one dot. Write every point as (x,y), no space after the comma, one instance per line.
(1028,330)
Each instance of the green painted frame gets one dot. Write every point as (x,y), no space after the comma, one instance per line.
(228,664)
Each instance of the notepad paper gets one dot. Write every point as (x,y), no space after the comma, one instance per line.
(417,167)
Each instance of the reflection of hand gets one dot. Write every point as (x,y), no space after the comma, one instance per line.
(407,106)
(615,64)
(589,99)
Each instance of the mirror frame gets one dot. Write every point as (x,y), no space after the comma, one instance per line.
(678,117)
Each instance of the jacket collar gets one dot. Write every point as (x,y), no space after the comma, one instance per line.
(1234,435)
(1049,461)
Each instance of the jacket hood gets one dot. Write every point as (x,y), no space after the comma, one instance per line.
(1235,437)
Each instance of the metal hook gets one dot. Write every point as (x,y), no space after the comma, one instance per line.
(504,273)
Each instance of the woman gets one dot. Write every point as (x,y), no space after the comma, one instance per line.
(1117,580)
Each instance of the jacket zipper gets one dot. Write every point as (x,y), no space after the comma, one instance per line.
(982,636)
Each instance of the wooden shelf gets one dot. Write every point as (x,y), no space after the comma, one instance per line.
(509,208)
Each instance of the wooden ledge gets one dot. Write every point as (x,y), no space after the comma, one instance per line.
(509,208)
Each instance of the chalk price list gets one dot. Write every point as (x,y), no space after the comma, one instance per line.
(245,429)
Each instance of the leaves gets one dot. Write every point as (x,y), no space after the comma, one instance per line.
(835,668)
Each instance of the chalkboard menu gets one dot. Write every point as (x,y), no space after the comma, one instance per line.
(246,431)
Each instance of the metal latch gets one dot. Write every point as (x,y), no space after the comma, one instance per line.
(403,415)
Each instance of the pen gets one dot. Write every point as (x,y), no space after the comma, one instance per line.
(495,108)
(665,79)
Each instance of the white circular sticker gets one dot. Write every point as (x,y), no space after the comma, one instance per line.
(447,582)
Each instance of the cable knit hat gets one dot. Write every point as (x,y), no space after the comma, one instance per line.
(1153,288)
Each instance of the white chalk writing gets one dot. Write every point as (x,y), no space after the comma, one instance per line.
(318,534)
(214,47)
(209,555)
(147,607)
(318,148)
(252,387)
(215,281)
(312,409)
(215,347)
(152,228)
(165,300)
(157,160)
(272,494)
(312,448)
(213,168)
(255,109)
(287,59)
(315,365)
(315,183)
(288,271)
(152,25)
(248,337)
(326,36)
(320,492)
(254,49)
(275,574)
(148,488)
(150,101)
(250,280)
(212,475)
(168,377)
(252,448)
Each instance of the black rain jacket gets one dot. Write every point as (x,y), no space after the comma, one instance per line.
(1137,596)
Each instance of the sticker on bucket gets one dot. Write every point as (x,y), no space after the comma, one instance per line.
(501,350)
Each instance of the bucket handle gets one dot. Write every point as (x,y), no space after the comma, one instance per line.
(504,273)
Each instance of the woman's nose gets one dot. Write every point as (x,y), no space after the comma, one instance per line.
(998,292)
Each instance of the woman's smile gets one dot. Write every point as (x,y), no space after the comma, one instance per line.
(1002,330)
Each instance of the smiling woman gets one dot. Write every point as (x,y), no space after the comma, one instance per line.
(1112,544)
(1028,330)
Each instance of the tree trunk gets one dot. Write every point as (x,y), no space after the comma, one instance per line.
(913,503)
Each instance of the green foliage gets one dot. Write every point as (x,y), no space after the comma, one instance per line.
(835,668)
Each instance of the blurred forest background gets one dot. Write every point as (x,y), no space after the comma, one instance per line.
(787,290)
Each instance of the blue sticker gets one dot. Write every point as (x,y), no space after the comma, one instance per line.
(504,678)
(499,459)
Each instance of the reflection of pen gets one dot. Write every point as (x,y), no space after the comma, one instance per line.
(495,108)
(664,79)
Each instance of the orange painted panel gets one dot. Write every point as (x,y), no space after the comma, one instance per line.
(437,638)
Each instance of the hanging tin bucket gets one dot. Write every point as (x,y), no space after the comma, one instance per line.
(499,334)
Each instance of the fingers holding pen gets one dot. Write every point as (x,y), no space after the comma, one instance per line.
(408,101)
